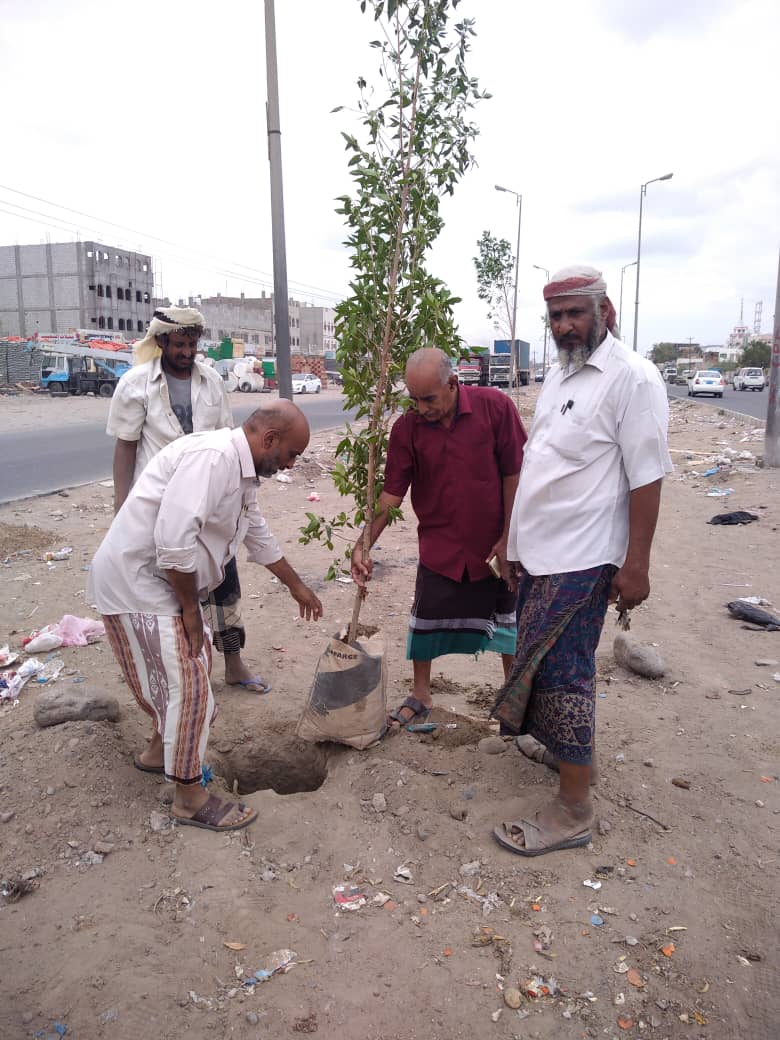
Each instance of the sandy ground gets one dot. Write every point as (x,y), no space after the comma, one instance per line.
(137,945)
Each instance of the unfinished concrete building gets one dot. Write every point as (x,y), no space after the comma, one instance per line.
(56,287)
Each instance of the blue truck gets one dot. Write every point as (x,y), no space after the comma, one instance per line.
(82,370)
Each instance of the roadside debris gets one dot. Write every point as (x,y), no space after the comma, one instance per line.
(742,611)
(349,897)
(739,516)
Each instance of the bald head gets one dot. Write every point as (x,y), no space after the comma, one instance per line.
(432,385)
(429,363)
(277,435)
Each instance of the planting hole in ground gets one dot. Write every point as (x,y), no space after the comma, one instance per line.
(281,762)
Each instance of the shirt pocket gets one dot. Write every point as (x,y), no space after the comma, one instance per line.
(567,438)
(208,416)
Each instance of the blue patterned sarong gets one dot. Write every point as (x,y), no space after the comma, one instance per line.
(551,690)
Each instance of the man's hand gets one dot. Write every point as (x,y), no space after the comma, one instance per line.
(630,586)
(361,569)
(499,551)
(193,624)
(308,603)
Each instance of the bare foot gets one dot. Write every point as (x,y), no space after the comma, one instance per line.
(153,756)
(239,674)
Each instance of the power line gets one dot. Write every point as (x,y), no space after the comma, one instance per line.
(266,278)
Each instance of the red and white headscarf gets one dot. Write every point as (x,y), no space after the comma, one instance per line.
(581,280)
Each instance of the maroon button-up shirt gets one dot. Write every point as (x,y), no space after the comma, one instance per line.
(456,476)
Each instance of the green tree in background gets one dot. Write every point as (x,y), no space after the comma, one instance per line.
(756,355)
(662,353)
(495,266)
(413,146)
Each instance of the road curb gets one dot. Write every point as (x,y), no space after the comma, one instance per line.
(721,410)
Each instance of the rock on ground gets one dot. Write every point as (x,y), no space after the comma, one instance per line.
(56,706)
(638,657)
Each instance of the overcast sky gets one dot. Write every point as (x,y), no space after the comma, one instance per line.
(151,115)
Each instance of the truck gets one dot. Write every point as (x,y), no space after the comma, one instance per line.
(501,347)
(468,369)
(494,369)
(81,370)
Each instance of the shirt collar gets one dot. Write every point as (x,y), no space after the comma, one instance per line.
(600,356)
(244,454)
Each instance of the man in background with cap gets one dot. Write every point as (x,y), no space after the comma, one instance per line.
(167,394)
(581,531)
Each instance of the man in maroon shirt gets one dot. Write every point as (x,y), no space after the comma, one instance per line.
(460,449)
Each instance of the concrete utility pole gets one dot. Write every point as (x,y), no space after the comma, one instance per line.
(281,308)
(514,377)
(772,435)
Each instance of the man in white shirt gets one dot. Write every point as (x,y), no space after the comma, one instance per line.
(167,394)
(581,531)
(166,550)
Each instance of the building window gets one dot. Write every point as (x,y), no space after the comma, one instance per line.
(100,290)
(92,288)
(93,320)
(119,293)
(121,324)
(108,292)
(137,296)
(89,253)
(101,322)
(105,256)
(140,326)
(109,323)
(145,267)
(146,297)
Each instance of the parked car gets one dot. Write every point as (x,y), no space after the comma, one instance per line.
(306,383)
(749,379)
(706,382)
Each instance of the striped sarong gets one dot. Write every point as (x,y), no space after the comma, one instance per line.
(173,688)
(460,617)
(223,607)
(551,690)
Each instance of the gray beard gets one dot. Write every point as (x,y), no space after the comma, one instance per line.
(572,359)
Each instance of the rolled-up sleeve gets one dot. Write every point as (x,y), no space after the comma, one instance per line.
(642,434)
(127,414)
(261,545)
(200,483)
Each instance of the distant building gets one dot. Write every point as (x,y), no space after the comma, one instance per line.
(251,319)
(318,330)
(739,337)
(55,287)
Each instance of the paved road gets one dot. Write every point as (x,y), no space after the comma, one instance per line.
(749,402)
(41,461)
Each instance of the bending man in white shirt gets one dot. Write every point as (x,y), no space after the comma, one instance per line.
(169,393)
(581,531)
(167,548)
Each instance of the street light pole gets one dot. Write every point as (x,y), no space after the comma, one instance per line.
(546,322)
(642,193)
(281,308)
(513,377)
(620,312)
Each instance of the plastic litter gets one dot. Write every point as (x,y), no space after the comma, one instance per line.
(538,986)
(7,656)
(719,492)
(596,920)
(349,897)
(278,963)
(283,478)
(68,631)
(61,554)
(595,885)
(314,497)
(739,516)
(15,681)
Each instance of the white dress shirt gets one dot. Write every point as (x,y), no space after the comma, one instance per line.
(597,434)
(141,408)
(189,511)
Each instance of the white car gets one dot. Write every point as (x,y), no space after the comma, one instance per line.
(306,383)
(749,379)
(706,382)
